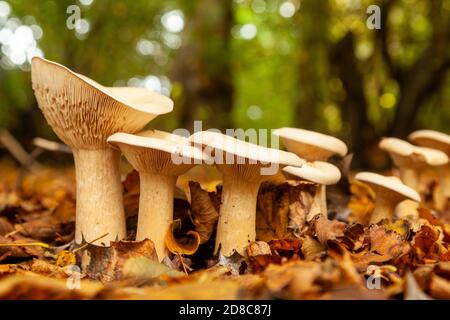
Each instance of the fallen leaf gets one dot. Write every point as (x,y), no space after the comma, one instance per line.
(106,263)
(327,229)
(204,214)
(179,242)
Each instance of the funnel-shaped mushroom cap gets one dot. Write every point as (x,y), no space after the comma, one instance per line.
(406,154)
(311,145)
(84,113)
(392,184)
(318,172)
(431,139)
(245,152)
(158,152)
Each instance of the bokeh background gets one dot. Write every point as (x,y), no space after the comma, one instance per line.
(244,63)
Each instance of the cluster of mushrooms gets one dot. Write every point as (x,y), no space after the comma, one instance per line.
(100,123)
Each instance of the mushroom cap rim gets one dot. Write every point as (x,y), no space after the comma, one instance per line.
(319,172)
(403,148)
(245,149)
(313,138)
(164,107)
(430,135)
(158,144)
(390,183)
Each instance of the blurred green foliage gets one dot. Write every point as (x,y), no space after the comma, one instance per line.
(249,63)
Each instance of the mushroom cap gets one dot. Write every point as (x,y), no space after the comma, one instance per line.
(311,145)
(318,172)
(432,139)
(84,113)
(245,150)
(405,154)
(390,184)
(158,152)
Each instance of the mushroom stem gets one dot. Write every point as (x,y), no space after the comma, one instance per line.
(321,196)
(442,197)
(384,208)
(410,177)
(155,209)
(99,203)
(237,221)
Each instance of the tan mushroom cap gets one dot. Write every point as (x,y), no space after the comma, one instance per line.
(404,153)
(84,113)
(392,184)
(247,152)
(158,151)
(311,145)
(432,139)
(318,172)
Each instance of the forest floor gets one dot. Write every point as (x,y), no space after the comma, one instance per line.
(298,255)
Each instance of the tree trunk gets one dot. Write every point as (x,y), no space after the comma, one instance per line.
(202,66)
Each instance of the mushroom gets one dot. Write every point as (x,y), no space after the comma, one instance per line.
(159,157)
(439,141)
(411,159)
(389,192)
(312,146)
(84,114)
(244,167)
(321,173)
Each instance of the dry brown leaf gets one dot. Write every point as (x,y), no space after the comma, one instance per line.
(106,263)
(327,229)
(312,249)
(361,203)
(258,248)
(204,214)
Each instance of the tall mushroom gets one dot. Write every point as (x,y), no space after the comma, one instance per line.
(84,114)
(312,146)
(410,159)
(159,157)
(440,141)
(389,192)
(319,172)
(244,167)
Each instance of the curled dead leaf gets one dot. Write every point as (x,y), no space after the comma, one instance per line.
(179,242)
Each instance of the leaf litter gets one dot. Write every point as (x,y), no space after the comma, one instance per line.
(298,254)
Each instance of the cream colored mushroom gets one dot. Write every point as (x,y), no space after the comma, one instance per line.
(84,114)
(312,146)
(321,173)
(410,159)
(159,157)
(389,192)
(439,141)
(244,167)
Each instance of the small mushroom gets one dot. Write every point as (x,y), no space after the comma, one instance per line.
(321,173)
(411,159)
(84,114)
(312,146)
(244,167)
(159,157)
(439,141)
(389,192)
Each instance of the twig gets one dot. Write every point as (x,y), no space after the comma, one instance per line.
(17,151)
(51,145)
